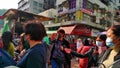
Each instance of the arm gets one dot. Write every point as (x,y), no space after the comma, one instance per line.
(83,55)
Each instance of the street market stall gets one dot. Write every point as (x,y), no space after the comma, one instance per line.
(15,19)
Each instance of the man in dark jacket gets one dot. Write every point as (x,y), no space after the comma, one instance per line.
(60,57)
(6,59)
(36,55)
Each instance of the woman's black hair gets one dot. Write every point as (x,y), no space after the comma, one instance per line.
(86,42)
(6,38)
(103,37)
(116,30)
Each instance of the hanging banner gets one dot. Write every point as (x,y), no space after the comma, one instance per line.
(6,27)
(78,15)
(86,7)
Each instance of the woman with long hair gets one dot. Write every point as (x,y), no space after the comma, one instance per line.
(7,43)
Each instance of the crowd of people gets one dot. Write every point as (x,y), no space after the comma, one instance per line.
(35,49)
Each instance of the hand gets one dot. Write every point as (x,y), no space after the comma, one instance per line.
(61,48)
(22,53)
(67,50)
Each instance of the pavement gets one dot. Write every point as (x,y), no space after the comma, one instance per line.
(74,63)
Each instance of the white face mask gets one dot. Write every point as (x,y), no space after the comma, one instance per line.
(109,42)
(98,43)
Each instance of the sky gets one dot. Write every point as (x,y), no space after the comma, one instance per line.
(8,4)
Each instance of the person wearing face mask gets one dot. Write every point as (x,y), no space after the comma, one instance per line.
(59,58)
(111,57)
(100,42)
(36,55)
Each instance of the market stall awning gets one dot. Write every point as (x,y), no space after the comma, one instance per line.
(77,30)
(15,14)
(68,29)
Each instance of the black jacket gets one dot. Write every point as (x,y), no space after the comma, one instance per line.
(65,44)
(34,58)
(89,54)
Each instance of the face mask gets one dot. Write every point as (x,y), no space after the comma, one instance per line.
(109,42)
(26,44)
(58,36)
(98,43)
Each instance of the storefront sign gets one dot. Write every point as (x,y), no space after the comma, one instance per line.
(78,15)
(1,17)
(82,30)
(86,7)
(87,11)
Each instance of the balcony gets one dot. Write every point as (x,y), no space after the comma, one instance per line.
(20,4)
(51,24)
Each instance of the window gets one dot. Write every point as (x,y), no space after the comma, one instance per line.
(119,7)
(34,8)
(40,5)
(35,3)
(40,10)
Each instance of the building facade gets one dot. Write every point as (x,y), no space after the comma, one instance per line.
(49,4)
(32,6)
(36,6)
(83,18)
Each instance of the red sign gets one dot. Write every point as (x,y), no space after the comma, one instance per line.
(82,30)
(1,17)
(87,11)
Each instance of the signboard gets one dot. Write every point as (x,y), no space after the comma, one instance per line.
(82,30)
(1,17)
(86,7)
(87,11)
(78,15)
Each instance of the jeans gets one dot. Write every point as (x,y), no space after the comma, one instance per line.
(56,64)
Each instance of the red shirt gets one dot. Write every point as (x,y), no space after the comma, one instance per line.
(83,62)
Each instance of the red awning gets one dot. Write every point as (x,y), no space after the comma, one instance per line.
(1,17)
(77,30)
(68,29)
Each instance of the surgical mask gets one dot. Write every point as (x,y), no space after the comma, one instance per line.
(98,43)
(58,36)
(26,44)
(109,42)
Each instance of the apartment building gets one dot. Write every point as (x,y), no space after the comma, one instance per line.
(32,6)
(82,17)
(36,6)
(48,4)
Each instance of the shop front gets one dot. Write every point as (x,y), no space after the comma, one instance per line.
(74,32)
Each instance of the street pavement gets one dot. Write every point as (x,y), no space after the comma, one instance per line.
(74,63)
